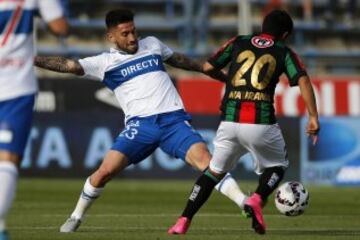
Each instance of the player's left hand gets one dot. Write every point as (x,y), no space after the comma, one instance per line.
(312,129)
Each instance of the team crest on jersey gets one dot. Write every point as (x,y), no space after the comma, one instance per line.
(262,42)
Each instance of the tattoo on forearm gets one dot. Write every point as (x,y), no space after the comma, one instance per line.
(59,64)
(180,61)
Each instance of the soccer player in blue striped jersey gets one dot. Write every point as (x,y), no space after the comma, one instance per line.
(18,85)
(154,112)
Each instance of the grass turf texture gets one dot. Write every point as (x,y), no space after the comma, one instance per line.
(145,209)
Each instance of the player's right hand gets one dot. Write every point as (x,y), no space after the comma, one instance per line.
(313,128)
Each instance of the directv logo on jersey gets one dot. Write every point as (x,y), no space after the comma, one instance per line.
(139,66)
(125,72)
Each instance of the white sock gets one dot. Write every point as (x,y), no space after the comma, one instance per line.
(87,197)
(8,178)
(230,188)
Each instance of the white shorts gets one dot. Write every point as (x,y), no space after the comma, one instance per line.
(264,142)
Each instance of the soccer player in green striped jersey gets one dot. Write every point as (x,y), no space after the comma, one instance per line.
(248,116)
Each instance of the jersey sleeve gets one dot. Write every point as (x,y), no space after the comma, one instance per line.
(294,67)
(94,67)
(222,56)
(50,9)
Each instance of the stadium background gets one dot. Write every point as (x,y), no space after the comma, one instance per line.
(76,121)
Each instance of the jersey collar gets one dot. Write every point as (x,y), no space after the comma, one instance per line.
(115,50)
(267,36)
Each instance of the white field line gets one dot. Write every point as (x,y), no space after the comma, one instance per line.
(355,231)
(234,215)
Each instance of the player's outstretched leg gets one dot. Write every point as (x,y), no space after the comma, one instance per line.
(268,182)
(201,192)
(87,197)
(113,163)
(199,157)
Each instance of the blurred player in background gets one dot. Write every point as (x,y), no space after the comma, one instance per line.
(18,85)
(154,113)
(248,116)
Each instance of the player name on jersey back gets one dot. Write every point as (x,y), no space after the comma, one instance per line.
(249,95)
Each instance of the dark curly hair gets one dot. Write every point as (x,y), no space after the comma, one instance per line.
(118,16)
(277,23)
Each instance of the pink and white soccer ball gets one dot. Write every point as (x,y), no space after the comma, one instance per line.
(291,198)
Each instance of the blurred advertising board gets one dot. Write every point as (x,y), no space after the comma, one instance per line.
(77,120)
(72,144)
(336,96)
(336,157)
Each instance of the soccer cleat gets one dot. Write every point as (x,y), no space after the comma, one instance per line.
(4,236)
(70,225)
(181,226)
(253,209)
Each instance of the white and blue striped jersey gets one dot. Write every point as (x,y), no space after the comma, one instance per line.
(17,77)
(139,81)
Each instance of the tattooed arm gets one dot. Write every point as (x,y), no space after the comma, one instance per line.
(59,64)
(181,61)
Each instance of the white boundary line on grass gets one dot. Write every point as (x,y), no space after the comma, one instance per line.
(198,215)
(355,230)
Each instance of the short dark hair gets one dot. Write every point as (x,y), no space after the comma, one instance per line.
(118,16)
(277,22)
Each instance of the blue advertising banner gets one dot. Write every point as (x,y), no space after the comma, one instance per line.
(72,144)
(76,122)
(336,157)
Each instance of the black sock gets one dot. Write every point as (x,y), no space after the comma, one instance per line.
(269,181)
(200,193)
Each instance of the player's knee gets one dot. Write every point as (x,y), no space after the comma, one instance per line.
(200,153)
(202,159)
(202,163)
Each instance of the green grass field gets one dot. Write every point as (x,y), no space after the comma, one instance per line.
(145,209)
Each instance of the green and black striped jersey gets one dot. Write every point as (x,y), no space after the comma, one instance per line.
(256,63)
